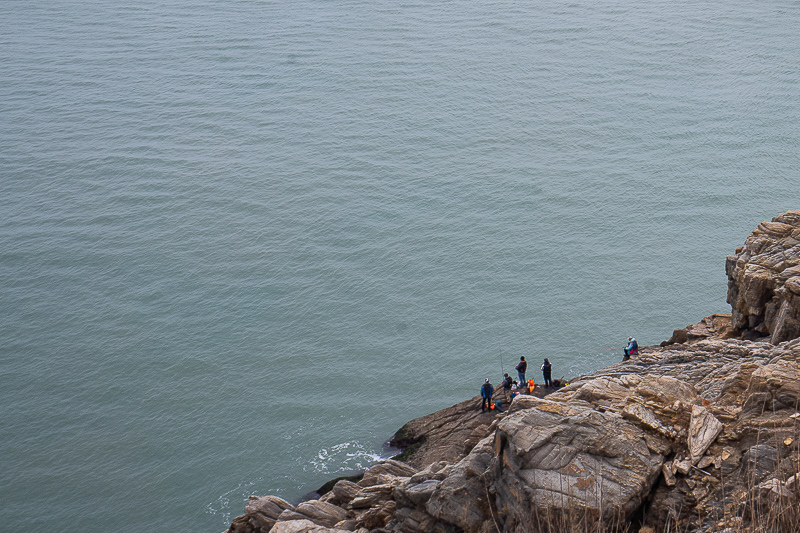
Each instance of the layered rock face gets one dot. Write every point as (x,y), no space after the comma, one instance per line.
(698,435)
(764,280)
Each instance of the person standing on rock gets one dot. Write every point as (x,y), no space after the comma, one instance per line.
(507,383)
(521,368)
(547,370)
(486,395)
(631,349)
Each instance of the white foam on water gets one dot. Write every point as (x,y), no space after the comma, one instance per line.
(344,458)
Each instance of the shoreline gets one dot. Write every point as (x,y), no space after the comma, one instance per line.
(700,433)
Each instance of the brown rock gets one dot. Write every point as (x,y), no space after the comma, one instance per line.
(703,430)
(322,513)
(461,499)
(344,491)
(562,456)
(763,288)
(370,496)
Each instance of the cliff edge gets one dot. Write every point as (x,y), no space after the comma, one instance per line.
(699,434)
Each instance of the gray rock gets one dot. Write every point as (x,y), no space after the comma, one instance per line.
(416,495)
(759,461)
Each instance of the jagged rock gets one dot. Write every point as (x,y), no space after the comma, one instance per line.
(344,491)
(705,462)
(703,430)
(644,416)
(348,525)
(717,326)
(240,524)
(477,434)
(438,470)
(764,278)
(378,516)
(441,436)
(412,520)
(759,461)
(369,496)
(263,511)
(461,499)
(683,466)
(386,472)
(776,487)
(669,474)
(774,386)
(415,494)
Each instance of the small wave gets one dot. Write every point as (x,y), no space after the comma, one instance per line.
(222,508)
(343,458)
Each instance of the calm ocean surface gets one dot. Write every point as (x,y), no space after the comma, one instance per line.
(241,243)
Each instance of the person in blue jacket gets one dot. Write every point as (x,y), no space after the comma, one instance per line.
(486,394)
(631,349)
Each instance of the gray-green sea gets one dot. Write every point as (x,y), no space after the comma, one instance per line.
(243,242)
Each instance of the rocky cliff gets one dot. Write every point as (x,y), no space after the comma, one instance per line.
(764,280)
(699,434)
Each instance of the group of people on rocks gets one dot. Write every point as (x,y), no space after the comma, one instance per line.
(631,349)
(509,383)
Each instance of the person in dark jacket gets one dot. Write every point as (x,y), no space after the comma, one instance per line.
(547,372)
(521,368)
(486,394)
(507,383)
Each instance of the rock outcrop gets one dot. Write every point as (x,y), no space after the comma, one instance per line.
(764,281)
(700,434)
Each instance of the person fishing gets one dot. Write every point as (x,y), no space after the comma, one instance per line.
(486,395)
(547,369)
(631,349)
(507,383)
(521,368)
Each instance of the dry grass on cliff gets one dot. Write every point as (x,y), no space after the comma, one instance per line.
(756,501)
(577,520)
(764,504)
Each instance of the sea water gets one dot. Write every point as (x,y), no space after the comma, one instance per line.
(243,242)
